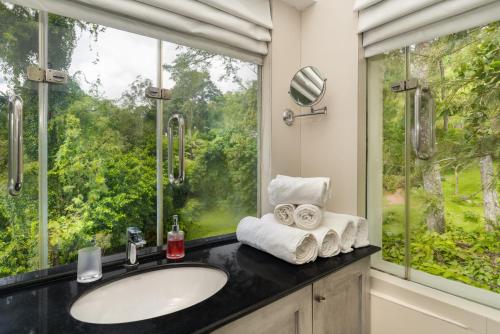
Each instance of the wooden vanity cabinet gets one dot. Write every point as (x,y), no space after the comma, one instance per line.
(335,304)
(341,301)
(289,315)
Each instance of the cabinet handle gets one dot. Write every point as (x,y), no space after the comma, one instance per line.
(319,299)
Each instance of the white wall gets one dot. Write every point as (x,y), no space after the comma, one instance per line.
(324,36)
(281,144)
(329,145)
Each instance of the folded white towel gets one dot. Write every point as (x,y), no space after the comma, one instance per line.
(344,226)
(298,190)
(287,243)
(361,225)
(307,216)
(328,240)
(284,213)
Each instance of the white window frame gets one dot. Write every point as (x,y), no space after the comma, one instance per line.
(374,174)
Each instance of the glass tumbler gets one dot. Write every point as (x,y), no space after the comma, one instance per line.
(89,265)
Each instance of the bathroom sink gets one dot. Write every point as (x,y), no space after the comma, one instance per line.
(149,294)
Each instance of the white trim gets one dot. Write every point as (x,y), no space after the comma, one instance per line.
(417,294)
(159,149)
(43,111)
(456,288)
(266,131)
(417,309)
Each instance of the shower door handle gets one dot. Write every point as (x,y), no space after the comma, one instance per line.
(15,165)
(424,124)
(180,123)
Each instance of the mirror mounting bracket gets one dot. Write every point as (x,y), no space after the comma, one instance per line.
(289,116)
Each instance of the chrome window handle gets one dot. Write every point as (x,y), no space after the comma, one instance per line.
(15,114)
(416,121)
(424,109)
(170,134)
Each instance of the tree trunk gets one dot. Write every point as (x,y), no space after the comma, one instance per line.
(456,180)
(433,187)
(490,196)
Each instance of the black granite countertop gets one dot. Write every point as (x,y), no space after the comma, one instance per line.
(255,280)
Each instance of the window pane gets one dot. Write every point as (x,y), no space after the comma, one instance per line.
(102,165)
(454,226)
(386,190)
(19,215)
(453,194)
(217,97)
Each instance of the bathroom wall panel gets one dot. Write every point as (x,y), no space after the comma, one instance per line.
(329,145)
(281,144)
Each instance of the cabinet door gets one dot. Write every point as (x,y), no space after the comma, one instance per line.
(340,301)
(289,315)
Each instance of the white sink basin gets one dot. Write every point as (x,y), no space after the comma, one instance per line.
(148,295)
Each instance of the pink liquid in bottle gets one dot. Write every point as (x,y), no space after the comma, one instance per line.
(175,241)
(175,249)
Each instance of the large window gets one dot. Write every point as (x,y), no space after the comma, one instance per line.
(437,219)
(102,140)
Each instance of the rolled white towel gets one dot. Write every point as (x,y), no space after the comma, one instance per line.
(291,244)
(344,226)
(298,190)
(307,216)
(328,240)
(361,233)
(284,213)
(361,225)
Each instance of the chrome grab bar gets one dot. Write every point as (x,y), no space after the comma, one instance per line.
(170,134)
(416,120)
(15,113)
(424,109)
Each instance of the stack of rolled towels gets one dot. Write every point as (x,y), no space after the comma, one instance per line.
(299,230)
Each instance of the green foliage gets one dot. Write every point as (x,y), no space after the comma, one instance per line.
(463,73)
(468,257)
(102,153)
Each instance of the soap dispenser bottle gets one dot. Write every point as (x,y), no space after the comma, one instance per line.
(175,241)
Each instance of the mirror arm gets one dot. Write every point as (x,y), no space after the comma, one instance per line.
(319,111)
(289,116)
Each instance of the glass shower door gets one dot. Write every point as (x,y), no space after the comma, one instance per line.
(19,208)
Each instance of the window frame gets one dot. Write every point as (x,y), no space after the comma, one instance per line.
(46,273)
(372,197)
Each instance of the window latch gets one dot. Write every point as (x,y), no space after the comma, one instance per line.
(402,86)
(158,93)
(39,74)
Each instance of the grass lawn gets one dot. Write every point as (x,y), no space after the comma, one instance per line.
(216,222)
(461,210)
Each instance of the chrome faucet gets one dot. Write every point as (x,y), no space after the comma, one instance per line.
(134,241)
